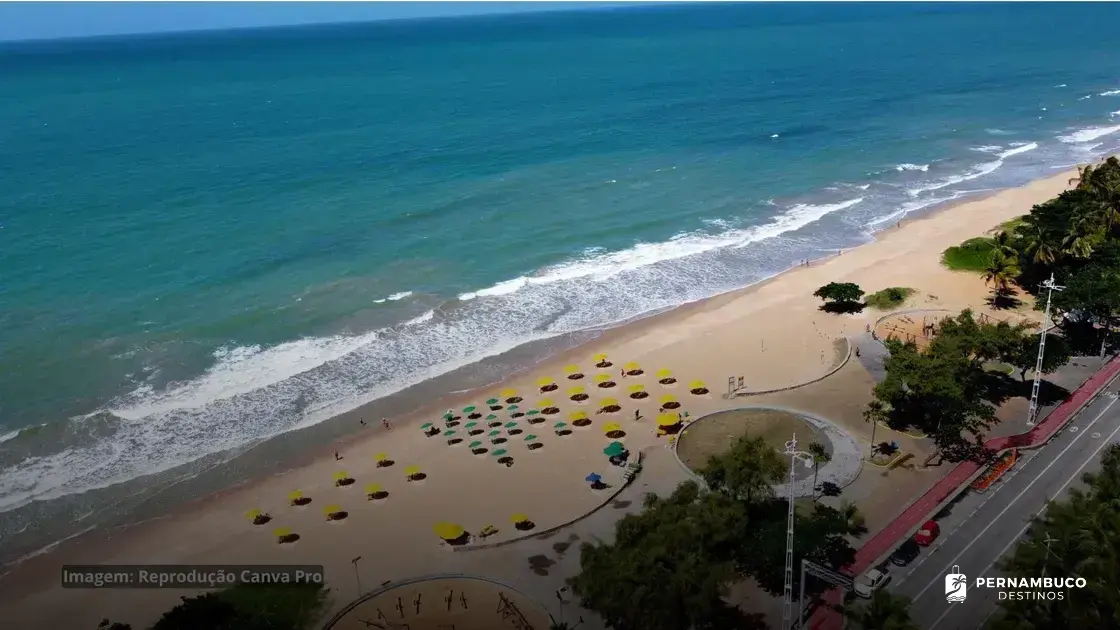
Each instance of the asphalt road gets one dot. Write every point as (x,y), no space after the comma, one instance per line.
(982,528)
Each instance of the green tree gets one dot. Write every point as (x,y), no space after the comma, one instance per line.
(1001,272)
(1084,535)
(885,611)
(820,456)
(1057,354)
(746,471)
(840,297)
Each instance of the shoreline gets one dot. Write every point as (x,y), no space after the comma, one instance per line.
(293,450)
(709,338)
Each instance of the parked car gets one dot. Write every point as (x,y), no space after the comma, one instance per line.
(875,579)
(927,534)
(905,553)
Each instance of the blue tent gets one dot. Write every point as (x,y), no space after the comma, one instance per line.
(593,478)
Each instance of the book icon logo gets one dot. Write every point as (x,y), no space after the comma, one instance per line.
(956,586)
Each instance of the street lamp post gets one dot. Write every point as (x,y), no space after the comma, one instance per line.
(1032,411)
(357,578)
(794,455)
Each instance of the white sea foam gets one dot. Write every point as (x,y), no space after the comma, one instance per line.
(1060,85)
(1018,148)
(979,170)
(1088,134)
(394,297)
(864,186)
(912,167)
(988,148)
(420,319)
(1086,97)
(1110,93)
(1114,114)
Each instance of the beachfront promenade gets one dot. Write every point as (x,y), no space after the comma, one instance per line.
(881,544)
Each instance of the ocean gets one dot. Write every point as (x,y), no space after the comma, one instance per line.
(215,242)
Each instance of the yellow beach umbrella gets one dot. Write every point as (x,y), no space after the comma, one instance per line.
(412,470)
(577,415)
(668,420)
(381,457)
(602,356)
(613,426)
(633,365)
(697,385)
(340,475)
(295,495)
(609,402)
(448,531)
(576,391)
(546,403)
(373,488)
(282,532)
(571,369)
(664,373)
(634,389)
(518,518)
(545,381)
(508,393)
(602,378)
(668,398)
(332,509)
(253,514)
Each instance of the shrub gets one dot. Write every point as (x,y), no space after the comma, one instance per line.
(975,254)
(889,298)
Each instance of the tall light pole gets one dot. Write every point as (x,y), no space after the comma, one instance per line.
(357,579)
(794,455)
(1032,412)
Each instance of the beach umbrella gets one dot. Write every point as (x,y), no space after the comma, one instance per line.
(474,444)
(340,475)
(253,514)
(295,495)
(281,533)
(518,518)
(668,398)
(512,408)
(613,426)
(470,425)
(532,412)
(412,470)
(559,425)
(511,425)
(448,531)
(664,373)
(577,415)
(426,426)
(494,433)
(571,369)
(508,393)
(492,401)
(499,452)
(600,357)
(631,366)
(546,403)
(373,488)
(381,457)
(491,417)
(576,391)
(469,409)
(614,449)
(668,420)
(634,389)
(448,415)
(332,509)
(530,437)
(602,378)
(449,433)
(609,402)
(697,385)
(593,478)
(545,381)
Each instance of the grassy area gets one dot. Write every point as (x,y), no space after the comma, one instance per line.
(972,255)
(891,297)
(1002,368)
(1009,226)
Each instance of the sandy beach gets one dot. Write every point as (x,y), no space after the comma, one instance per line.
(771,334)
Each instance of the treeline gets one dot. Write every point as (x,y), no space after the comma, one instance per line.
(297,606)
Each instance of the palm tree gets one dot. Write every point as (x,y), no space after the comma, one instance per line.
(820,456)
(1001,242)
(885,611)
(1038,245)
(1103,182)
(1001,272)
(1082,237)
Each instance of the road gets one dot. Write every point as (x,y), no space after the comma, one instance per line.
(981,528)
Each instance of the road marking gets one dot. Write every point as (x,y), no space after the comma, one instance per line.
(1019,535)
(1013,501)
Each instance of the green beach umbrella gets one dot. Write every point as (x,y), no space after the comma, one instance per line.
(559,425)
(494,433)
(468,409)
(448,433)
(533,412)
(491,417)
(530,437)
(426,425)
(499,452)
(614,449)
(475,444)
(492,401)
(470,425)
(510,425)
(512,408)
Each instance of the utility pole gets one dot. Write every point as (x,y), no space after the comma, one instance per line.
(1032,412)
(354,561)
(787,610)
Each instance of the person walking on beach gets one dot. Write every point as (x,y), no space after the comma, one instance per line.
(337,457)
(622,372)
(385,421)
(637,415)
(362,421)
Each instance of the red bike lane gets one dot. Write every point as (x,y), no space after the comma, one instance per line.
(827,618)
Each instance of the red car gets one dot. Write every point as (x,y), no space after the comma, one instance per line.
(927,534)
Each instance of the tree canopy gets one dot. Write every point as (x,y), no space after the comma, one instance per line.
(295,606)
(884,611)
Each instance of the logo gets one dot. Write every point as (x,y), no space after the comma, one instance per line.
(956,586)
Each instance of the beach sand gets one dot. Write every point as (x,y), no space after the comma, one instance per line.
(772,334)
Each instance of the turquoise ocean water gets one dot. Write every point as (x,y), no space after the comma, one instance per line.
(211,239)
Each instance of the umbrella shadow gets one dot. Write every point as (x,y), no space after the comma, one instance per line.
(513,400)
(536,420)
(498,440)
(564,432)
(342,483)
(616,435)
(300,502)
(434,431)
(599,485)
(261,519)
(450,424)
(476,432)
(540,564)
(535,446)
(639,395)
(525,526)
(385,463)
(517,414)
(287,539)
(578,397)
(672,404)
(668,381)
(480,451)
(606,384)
(610,409)
(637,372)
(460,541)
(377,496)
(551,387)
(582,422)
(619,504)
(515,431)
(550,411)
(495,407)
(474,416)
(455,441)
(699,391)
(418,477)
(575,377)
(507,461)
(338,516)
(602,365)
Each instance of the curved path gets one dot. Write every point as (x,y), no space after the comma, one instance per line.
(826,618)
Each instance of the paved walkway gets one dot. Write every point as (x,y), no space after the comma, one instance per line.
(826,618)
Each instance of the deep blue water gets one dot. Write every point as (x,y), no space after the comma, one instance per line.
(209,239)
